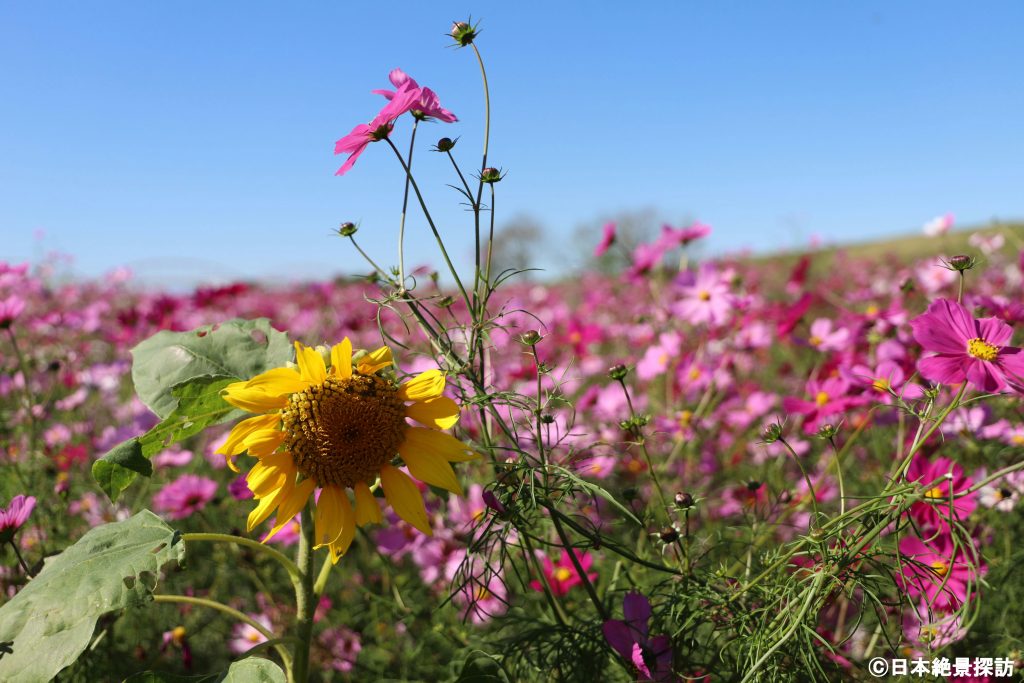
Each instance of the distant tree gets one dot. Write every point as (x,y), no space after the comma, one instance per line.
(632,227)
(518,245)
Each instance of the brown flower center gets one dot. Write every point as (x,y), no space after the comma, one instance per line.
(343,431)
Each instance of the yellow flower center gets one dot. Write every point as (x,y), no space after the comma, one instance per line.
(981,349)
(178,635)
(871,310)
(563,574)
(881,384)
(342,431)
(821,399)
(685,417)
(934,492)
(704,295)
(816,340)
(1017,439)
(940,567)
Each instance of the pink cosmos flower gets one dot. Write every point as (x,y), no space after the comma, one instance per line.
(10,308)
(15,515)
(1002,494)
(355,143)
(939,225)
(935,513)
(825,338)
(607,240)
(245,637)
(657,358)
(937,571)
(630,637)
(184,496)
(482,601)
(645,258)
(563,576)
(706,300)
(344,645)
(673,237)
(830,399)
(887,376)
(966,348)
(428,105)
(930,629)
(176,638)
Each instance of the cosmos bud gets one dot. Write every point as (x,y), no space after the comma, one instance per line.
(347,229)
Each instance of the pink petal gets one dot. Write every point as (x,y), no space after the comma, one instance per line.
(994,331)
(984,375)
(943,369)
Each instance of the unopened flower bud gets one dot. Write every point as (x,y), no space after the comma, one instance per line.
(827,431)
(960,262)
(445,144)
(617,372)
(463,33)
(547,418)
(445,302)
(491,501)
(772,433)
(490,175)
(530,338)
(669,535)
(684,500)
(347,229)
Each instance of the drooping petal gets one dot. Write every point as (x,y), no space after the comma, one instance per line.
(328,515)
(367,509)
(341,544)
(418,439)
(292,505)
(943,368)
(268,504)
(341,359)
(426,385)
(233,444)
(432,469)
(263,442)
(278,382)
(440,412)
(404,498)
(252,400)
(311,364)
(375,360)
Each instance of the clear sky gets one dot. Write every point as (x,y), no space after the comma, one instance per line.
(194,140)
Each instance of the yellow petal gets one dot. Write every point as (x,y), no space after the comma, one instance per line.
(367,509)
(426,385)
(404,498)
(341,544)
(440,412)
(291,505)
(341,359)
(431,468)
(311,364)
(278,382)
(252,400)
(418,439)
(267,505)
(270,473)
(328,515)
(233,444)
(264,442)
(375,360)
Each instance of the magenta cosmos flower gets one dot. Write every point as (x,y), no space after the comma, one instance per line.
(937,508)
(355,143)
(651,656)
(427,106)
(967,348)
(15,515)
(184,496)
(937,571)
(607,240)
(563,576)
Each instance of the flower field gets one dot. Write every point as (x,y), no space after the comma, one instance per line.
(667,468)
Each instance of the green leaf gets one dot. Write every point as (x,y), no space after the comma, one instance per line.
(199,406)
(238,348)
(119,467)
(481,667)
(112,567)
(248,670)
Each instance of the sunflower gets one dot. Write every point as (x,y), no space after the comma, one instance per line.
(338,430)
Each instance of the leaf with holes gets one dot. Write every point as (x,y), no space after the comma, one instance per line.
(112,567)
(238,348)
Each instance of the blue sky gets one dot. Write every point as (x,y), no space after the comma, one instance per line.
(193,141)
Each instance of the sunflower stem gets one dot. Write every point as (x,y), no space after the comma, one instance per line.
(292,569)
(304,599)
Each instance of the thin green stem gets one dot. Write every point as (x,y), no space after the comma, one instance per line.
(373,264)
(283,560)
(405,206)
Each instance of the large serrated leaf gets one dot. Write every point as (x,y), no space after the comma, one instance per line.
(199,406)
(251,670)
(112,567)
(238,348)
